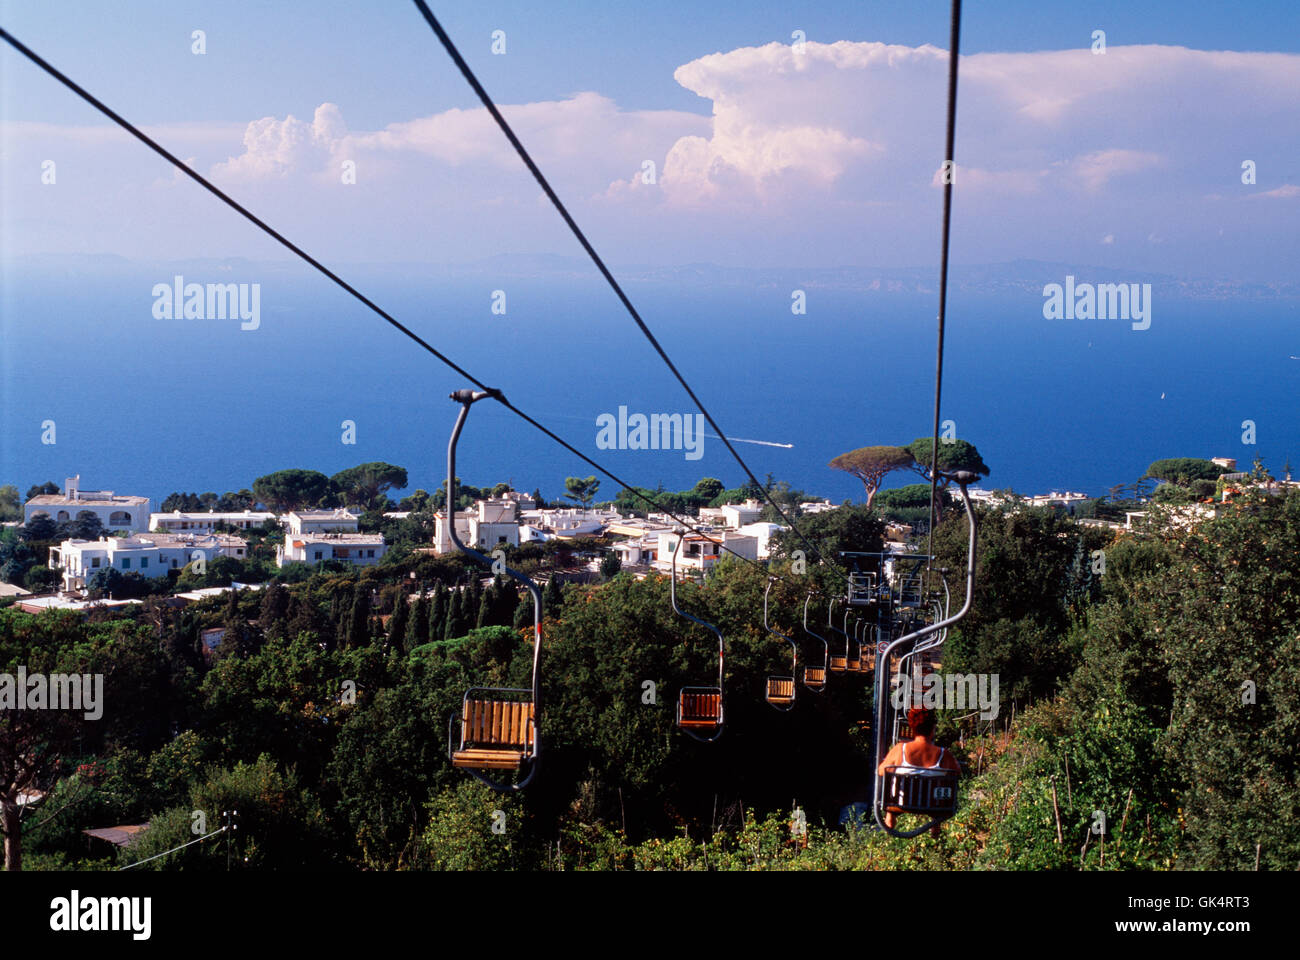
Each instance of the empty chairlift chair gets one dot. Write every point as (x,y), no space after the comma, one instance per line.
(861,589)
(867,648)
(837,664)
(852,662)
(699,709)
(814,678)
(780,691)
(498,725)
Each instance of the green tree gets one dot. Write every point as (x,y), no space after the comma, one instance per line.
(438,616)
(610,565)
(953,455)
(273,611)
(708,488)
(553,597)
(581,490)
(366,485)
(1183,470)
(291,489)
(40,528)
(398,621)
(418,632)
(10,507)
(47,488)
(458,623)
(871,465)
(358,634)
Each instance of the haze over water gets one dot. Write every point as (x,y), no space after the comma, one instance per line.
(149,406)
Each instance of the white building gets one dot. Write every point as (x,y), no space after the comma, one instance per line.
(150,555)
(763,534)
(639,552)
(114,512)
(523,501)
(358,549)
(816,506)
(636,527)
(301,522)
(490,524)
(733,515)
(179,521)
(565,523)
(1056,499)
(699,554)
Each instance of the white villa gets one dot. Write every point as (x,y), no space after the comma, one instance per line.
(358,549)
(816,506)
(301,522)
(150,555)
(636,527)
(203,522)
(763,534)
(313,536)
(639,552)
(565,523)
(700,554)
(491,523)
(733,515)
(114,512)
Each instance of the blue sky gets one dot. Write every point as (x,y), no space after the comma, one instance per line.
(1130,160)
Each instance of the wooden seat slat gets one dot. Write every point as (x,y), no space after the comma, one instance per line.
(699,709)
(498,723)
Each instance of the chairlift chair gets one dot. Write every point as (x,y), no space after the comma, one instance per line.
(699,709)
(852,664)
(837,664)
(498,725)
(929,792)
(780,691)
(861,588)
(814,678)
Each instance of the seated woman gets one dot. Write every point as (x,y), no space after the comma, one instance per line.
(919,753)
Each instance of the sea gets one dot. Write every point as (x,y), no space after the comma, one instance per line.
(94,384)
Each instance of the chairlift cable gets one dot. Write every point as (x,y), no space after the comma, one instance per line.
(491,107)
(948,177)
(343,284)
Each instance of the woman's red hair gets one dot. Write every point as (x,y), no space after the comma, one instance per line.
(921,721)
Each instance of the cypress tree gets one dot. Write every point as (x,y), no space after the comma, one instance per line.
(274,610)
(470,602)
(398,621)
(358,634)
(418,632)
(503,613)
(456,619)
(305,617)
(553,597)
(438,618)
(524,612)
(484,617)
